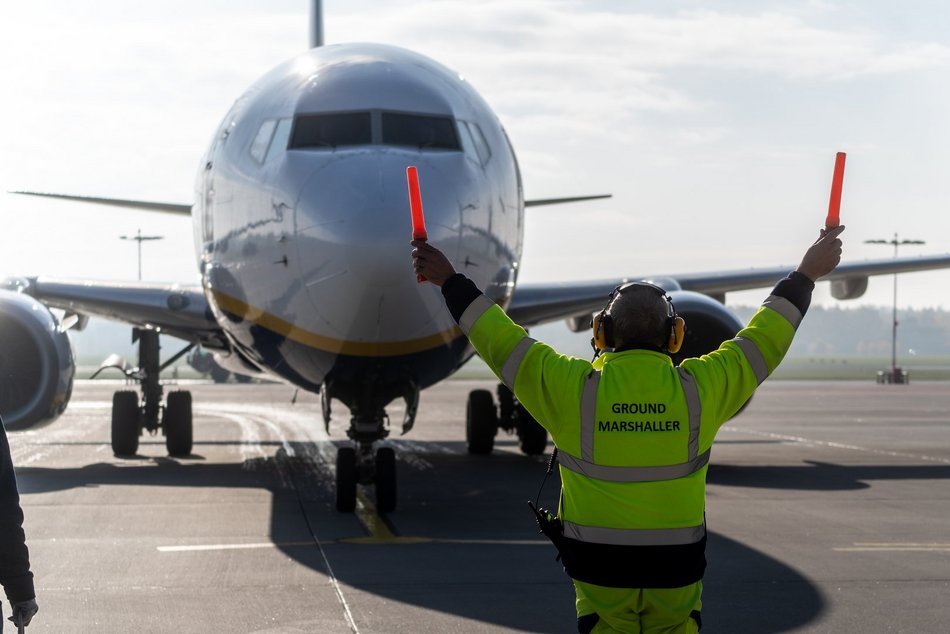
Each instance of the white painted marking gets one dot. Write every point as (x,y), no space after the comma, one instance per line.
(895,547)
(210,547)
(837,445)
(393,541)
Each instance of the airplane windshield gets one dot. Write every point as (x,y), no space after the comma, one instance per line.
(421,131)
(332,130)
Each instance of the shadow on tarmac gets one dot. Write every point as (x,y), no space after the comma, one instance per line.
(820,476)
(479,555)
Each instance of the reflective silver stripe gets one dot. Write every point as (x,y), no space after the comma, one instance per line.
(475,310)
(510,369)
(632,474)
(694,408)
(635,536)
(785,308)
(589,415)
(755,358)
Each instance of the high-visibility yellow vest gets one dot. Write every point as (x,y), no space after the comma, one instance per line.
(634,434)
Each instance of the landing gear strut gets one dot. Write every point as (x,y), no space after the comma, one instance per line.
(132,414)
(483,420)
(360,465)
(365,463)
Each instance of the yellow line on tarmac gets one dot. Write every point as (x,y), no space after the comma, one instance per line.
(378,530)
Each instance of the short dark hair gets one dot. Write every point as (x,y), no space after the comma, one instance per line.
(640,315)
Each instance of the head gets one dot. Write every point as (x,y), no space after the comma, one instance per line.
(639,315)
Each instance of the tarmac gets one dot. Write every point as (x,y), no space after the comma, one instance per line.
(828,506)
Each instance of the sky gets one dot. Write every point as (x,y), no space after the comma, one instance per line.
(713,124)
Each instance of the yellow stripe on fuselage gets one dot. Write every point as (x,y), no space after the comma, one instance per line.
(328,344)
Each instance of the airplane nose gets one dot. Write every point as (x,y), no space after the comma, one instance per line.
(361,205)
(353,233)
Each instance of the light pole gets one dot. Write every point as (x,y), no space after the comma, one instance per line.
(139,238)
(896,376)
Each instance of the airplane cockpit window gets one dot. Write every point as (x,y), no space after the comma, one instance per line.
(332,130)
(262,139)
(481,145)
(279,141)
(419,131)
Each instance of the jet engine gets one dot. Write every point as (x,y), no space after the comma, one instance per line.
(36,363)
(708,323)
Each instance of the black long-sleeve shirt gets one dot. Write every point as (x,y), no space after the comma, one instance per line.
(15,575)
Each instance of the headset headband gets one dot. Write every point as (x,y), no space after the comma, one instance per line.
(670,309)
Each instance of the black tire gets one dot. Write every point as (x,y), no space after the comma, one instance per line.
(177,423)
(126,423)
(533,437)
(481,422)
(385,480)
(346,478)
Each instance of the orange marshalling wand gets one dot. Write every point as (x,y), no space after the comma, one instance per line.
(415,209)
(834,205)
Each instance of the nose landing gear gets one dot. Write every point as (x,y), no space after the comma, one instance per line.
(365,462)
(359,465)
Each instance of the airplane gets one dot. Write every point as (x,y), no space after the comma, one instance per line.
(301,230)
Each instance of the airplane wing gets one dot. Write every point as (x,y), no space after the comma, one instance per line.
(183,209)
(168,208)
(534,304)
(181,311)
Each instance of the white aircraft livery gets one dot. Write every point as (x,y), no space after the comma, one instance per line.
(301,227)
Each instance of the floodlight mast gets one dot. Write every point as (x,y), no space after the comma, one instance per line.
(896,376)
(139,238)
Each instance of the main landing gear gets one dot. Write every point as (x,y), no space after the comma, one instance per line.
(132,413)
(483,420)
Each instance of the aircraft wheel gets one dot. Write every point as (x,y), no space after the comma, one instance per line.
(125,423)
(533,437)
(346,478)
(177,423)
(385,480)
(481,422)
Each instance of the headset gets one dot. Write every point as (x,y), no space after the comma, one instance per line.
(602,324)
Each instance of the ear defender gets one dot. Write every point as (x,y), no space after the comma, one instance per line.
(603,331)
(677,334)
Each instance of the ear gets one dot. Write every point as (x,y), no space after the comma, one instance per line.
(677,335)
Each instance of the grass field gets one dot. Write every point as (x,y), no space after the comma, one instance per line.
(919,368)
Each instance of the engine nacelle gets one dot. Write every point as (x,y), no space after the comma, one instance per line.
(708,323)
(36,363)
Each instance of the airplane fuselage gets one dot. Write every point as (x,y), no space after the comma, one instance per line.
(302,224)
